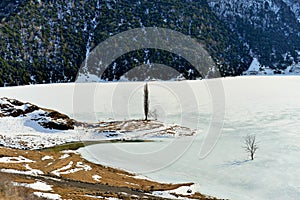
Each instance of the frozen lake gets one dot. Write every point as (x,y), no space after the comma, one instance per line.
(226,172)
(267,107)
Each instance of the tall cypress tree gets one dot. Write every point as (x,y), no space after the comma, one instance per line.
(146,101)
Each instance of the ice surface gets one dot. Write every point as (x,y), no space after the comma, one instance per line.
(265,106)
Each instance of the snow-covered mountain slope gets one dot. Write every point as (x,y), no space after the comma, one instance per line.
(257,69)
(48,41)
(294,6)
(8,6)
(270,28)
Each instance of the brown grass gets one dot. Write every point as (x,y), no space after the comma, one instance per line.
(10,192)
(78,184)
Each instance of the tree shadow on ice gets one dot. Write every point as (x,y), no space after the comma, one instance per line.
(236,163)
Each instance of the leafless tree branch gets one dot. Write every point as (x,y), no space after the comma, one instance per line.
(250,145)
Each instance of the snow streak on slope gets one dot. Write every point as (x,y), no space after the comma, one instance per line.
(294,6)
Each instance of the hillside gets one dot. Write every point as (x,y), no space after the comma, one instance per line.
(66,175)
(34,115)
(7,7)
(270,28)
(47,41)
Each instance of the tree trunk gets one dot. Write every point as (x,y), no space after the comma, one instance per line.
(146,101)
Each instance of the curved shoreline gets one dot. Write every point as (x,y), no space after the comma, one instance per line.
(77,181)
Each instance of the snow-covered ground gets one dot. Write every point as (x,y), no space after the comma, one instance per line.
(23,133)
(258,69)
(48,195)
(267,107)
(41,186)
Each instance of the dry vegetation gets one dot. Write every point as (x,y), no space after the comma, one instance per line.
(75,178)
(10,192)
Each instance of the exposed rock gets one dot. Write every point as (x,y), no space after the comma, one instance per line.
(49,119)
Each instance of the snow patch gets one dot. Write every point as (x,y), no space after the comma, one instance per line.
(67,169)
(19,159)
(64,156)
(47,158)
(185,190)
(254,68)
(97,178)
(48,195)
(41,186)
(30,171)
(57,172)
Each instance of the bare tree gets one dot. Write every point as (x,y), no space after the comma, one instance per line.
(146,101)
(250,145)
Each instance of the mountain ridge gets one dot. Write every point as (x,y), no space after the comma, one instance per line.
(47,41)
(270,28)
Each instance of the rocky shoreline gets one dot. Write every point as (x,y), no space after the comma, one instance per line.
(27,126)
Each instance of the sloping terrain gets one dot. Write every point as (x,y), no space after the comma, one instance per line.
(48,119)
(65,175)
(270,28)
(7,7)
(47,41)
